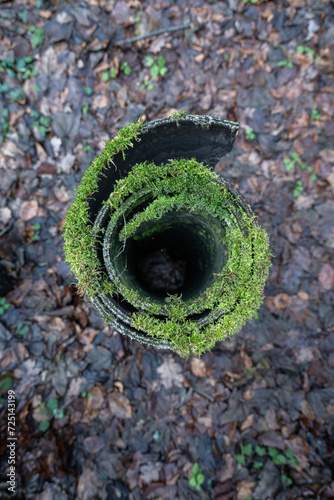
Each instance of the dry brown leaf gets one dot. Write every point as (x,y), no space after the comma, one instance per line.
(245,489)
(170,373)
(100,101)
(93,444)
(248,422)
(198,367)
(94,403)
(88,486)
(119,405)
(227,471)
(29,210)
(326,277)
(149,473)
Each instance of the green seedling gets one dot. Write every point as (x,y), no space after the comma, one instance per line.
(20,69)
(197,477)
(249,134)
(250,1)
(85,108)
(23,16)
(37,36)
(3,305)
(5,124)
(147,85)
(86,395)
(315,115)
(138,18)
(88,90)
(51,410)
(126,68)
(106,75)
(294,161)
(21,329)
(158,67)
(6,384)
(34,233)
(86,147)
(254,457)
(16,95)
(41,122)
(3,88)
(305,50)
(285,63)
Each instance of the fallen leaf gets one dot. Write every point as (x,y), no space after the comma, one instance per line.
(29,210)
(119,405)
(88,486)
(170,373)
(249,420)
(326,277)
(198,367)
(149,473)
(100,101)
(245,489)
(227,471)
(93,444)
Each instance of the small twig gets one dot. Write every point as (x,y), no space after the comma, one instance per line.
(155,33)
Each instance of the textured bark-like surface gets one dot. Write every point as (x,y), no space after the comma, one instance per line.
(204,138)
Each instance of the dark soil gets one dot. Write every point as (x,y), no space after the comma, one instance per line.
(124,420)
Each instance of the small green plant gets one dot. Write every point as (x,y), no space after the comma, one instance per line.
(250,135)
(16,95)
(23,16)
(3,305)
(285,62)
(21,329)
(126,68)
(255,458)
(298,188)
(86,147)
(6,384)
(106,75)
(20,69)
(85,108)
(158,67)
(197,477)
(88,395)
(315,115)
(88,90)
(305,50)
(51,410)
(37,36)
(5,124)
(292,162)
(147,85)
(250,1)
(41,122)
(139,25)
(34,233)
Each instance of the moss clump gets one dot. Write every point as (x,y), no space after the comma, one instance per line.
(142,206)
(79,239)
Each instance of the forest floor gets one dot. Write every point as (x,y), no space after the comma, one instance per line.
(99,416)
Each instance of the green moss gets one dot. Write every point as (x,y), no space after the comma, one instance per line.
(147,194)
(178,115)
(79,239)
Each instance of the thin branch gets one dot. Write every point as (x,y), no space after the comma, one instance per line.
(155,33)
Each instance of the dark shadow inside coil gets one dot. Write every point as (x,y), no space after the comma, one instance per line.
(176,254)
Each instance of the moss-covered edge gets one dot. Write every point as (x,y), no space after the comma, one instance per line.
(80,254)
(79,238)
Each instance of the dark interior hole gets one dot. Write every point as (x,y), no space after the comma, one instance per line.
(176,254)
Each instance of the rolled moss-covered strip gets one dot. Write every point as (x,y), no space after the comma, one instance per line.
(157,201)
